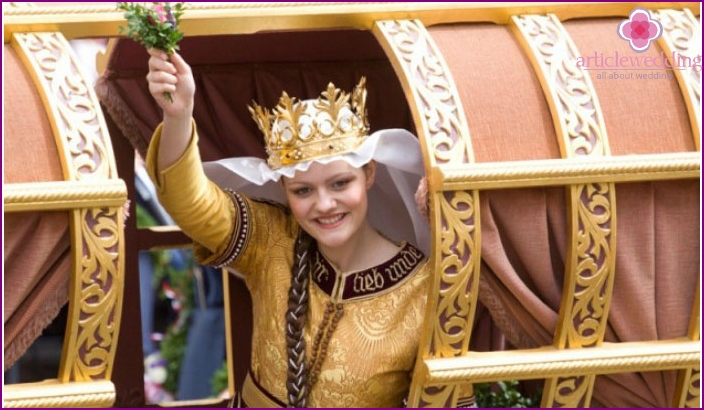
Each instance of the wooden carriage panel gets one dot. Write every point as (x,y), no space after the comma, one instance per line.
(506,110)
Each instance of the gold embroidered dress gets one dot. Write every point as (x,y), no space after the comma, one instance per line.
(370,356)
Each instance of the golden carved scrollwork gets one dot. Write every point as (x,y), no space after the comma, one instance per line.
(682,35)
(459,249)
(687,393)
(693,390)
(72,104)
(97,238)
(455,297)
(456,285)
(579,125)
(572,392)
(593,275)
(568,87)
(688,390)
(588,286)
(100,285)
(437,110)
(443,130)
(438,396)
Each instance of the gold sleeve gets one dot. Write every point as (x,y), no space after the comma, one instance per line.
(199,207)
(270,230)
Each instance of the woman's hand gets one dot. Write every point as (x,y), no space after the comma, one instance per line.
(171,74)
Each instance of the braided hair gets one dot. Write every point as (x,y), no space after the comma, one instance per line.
(296,378)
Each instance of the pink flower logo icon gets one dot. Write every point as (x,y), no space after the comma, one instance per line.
(639,29)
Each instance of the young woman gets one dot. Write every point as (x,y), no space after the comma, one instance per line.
(337,276)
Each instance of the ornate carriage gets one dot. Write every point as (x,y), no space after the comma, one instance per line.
(528,134)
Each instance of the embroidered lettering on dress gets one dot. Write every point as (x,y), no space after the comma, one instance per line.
(368,281)
(320,273)
(403,264)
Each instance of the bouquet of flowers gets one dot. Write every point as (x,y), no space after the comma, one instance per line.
(154,26)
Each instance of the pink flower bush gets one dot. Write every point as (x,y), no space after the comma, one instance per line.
(639,29)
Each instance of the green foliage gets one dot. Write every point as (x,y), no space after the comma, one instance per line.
(153,26)
(144,220)
(503,394)
(219,380)
(173,346)
(173,349)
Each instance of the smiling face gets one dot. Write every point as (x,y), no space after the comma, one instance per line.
(329,201)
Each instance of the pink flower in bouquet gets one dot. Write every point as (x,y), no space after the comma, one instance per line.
(161,12)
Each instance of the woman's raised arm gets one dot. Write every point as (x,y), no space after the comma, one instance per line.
(172,75)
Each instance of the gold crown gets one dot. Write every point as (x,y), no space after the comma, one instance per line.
(299,131)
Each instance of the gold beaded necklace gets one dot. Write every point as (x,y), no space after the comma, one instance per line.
(322,339)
